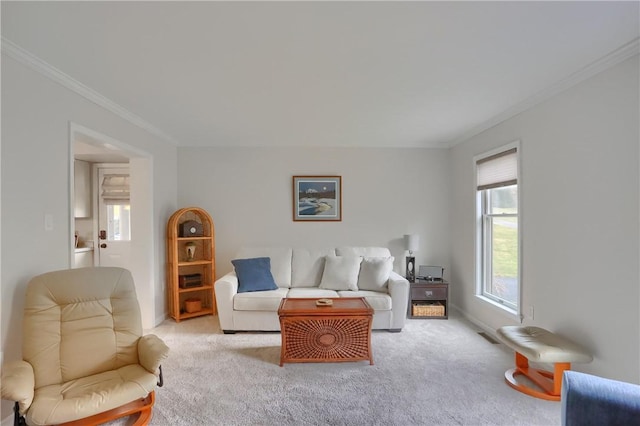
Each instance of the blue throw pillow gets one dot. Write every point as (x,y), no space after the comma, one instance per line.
(254,274)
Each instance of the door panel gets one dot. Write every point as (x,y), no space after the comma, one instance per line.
(114,217)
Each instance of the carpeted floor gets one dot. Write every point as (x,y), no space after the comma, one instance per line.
(435,372)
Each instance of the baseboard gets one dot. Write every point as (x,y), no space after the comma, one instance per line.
(475,321)
(490,331)
(160,318)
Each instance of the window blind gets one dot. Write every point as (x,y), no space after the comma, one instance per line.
(115,189)
(497,170)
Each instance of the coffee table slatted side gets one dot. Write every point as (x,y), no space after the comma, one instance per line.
(324,334)
(327,340)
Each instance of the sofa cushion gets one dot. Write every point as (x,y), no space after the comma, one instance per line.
(259,300)
(254,274)
(374,273)
(307,266)
(311,292)
(341,273)
(379,301)
(280,261)
(363,251)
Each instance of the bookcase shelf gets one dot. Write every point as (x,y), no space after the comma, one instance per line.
(179,264)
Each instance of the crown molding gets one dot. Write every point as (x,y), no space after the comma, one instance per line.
(25,57)
(21,55)
(614,58)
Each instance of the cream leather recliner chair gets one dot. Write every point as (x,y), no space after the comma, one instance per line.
(84,356)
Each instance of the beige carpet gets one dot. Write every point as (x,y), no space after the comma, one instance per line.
(435,372)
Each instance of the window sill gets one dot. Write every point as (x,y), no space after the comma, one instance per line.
(504,309)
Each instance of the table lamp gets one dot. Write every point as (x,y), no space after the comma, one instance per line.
(411,243)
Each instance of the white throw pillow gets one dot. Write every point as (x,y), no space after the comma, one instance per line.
(307,266)
(341,273)
(374,273)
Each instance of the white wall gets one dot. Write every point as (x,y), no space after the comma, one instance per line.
(580,197)
(35,180)
(386,194)
(580,221)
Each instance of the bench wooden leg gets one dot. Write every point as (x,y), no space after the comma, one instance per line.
(521,361)
(550,384)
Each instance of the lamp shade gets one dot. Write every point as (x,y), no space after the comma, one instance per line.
(411,242)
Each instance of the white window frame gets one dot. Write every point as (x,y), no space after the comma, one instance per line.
(483,258)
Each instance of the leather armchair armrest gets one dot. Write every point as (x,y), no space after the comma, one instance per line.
(18,384)
(151,351)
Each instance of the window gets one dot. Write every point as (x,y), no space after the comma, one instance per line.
(115,198)
(118,222)
(498,254)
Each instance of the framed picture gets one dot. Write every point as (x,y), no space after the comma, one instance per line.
(317,198)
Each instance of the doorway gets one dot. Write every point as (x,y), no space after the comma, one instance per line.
(98,150)
(112,189)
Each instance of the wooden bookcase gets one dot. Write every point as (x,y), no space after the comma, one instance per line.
(183,299)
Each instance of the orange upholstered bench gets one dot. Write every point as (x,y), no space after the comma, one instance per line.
(541,346)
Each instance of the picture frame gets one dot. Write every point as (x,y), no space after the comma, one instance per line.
(317,198)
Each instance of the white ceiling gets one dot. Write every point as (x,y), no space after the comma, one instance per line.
(95,151)
(379,74)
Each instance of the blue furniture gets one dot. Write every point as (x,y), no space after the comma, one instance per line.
(591,400)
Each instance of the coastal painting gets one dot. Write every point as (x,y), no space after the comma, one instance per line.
(317,198)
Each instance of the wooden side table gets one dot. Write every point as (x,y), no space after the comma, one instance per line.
(429,296)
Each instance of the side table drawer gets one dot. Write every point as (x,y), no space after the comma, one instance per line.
(438,293)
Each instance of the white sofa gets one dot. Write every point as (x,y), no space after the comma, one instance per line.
(298,273)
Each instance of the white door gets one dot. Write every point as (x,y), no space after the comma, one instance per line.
(114,217)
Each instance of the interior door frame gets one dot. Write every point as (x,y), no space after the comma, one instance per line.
(143,223)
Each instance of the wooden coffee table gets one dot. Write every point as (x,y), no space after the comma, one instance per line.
(336,333)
